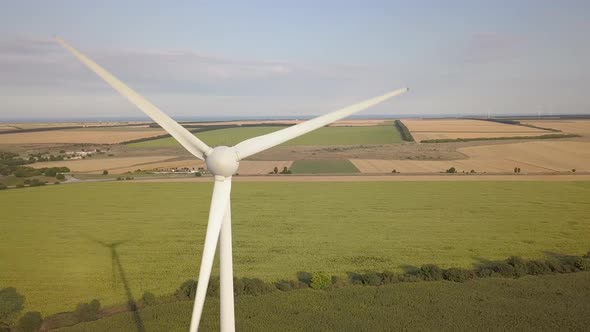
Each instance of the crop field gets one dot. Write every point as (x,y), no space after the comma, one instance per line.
(555,302)
(323,136)
(531,157)
(55,240)
(115,165)
(581,127)
(458,128)
(86,135)
(323,167)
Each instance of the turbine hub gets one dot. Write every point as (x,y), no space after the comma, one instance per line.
(222,161)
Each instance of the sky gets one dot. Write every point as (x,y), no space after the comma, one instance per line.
(221,59)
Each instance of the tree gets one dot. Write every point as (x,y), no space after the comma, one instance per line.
(105,172)
(30,322)
(515,169)
(275,170)
(11,303)
(320,280)
(452,170)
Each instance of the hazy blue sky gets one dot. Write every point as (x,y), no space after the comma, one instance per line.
(205,58)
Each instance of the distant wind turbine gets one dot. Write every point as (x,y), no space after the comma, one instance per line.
(222,162)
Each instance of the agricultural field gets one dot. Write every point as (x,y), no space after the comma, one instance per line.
(323,167)
(57,251)
(87,135)
(530,157)
(324,136)
(555,302)
(581,127)
(427,129)
(116,165)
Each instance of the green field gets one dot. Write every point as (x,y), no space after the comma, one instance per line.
(547,303)
(49,249)
(323,167)
(322,136)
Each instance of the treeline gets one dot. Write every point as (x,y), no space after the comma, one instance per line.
(449,140)
(26,171)
(513,267)
(403,130)
(12,304)
(517,123)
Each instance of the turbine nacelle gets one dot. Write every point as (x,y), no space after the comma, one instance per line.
(222,161)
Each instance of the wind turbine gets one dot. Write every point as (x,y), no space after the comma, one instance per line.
(222,162)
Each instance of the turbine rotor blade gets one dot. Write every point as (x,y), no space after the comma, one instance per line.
(195,146)
(219,205)
(257,144)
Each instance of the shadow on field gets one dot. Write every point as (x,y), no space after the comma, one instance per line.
(116,265)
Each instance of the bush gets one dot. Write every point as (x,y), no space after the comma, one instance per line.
(149,299)
(304,277)
(458,275)
(3,186)
(582,264)
(372,279)
(284,285)
(247,286)
(504,269)
(520,268)
(60,176)
(198,174)
(20,185)
(430,272)
(320,280)
(451,170)
(187,290)
(86,312)
(388,277)
(537,267)
(11,303)
(105,172)
(339,282)
(30,322)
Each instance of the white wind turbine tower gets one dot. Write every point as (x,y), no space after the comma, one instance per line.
(222,162)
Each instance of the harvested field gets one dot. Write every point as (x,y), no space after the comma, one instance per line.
(580,127)
(531,157)
(458,128)
(93,136)
(95,165)
(262,167)
(323,167)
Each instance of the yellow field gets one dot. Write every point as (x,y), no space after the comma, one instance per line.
(94,136)
(531,157)
(115,165)
(580,127)
(457,128)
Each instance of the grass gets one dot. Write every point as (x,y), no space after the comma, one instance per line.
(323,167)
(50,253)
(554,302)
(322,136)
